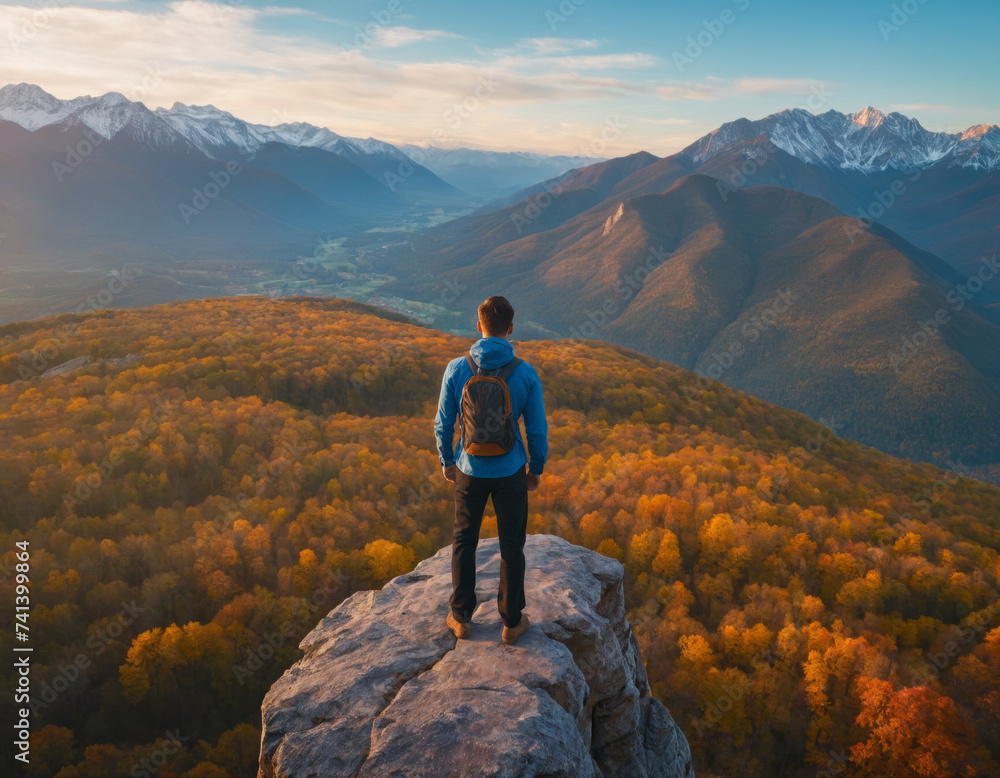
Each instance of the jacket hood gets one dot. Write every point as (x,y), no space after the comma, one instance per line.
(491,353)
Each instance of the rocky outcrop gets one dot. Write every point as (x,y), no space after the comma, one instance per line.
(77,362)
(385,688)
(611,221)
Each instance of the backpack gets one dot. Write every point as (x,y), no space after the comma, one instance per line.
(487,423)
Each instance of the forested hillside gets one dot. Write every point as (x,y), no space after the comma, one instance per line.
(804,603)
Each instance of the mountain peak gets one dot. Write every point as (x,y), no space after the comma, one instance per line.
(868,117)
(113,98)
(799,112)
(24,93)
(386,689)
(32,107)
(977,131)
(203,110)
(296,126)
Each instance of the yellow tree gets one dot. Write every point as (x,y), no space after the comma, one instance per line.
(388,559)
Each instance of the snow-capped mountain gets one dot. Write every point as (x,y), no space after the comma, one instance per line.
(979,147)
(32,107)
(223,137)
(108,115)
(217,133)
(866,141)
(303,134)
(206,131)
(94,173)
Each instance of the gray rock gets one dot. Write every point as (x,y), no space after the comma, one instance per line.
(66,367)
(385,688)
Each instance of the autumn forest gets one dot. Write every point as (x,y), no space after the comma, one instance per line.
(212,477)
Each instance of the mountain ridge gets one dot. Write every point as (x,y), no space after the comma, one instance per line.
(217,134)
(874,166)
(866,140)
(686,275)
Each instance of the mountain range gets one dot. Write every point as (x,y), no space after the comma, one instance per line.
(759,288)
(867,141)
(222,136)
(136,173)
(939,190)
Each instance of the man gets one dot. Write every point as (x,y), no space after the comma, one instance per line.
(501,476)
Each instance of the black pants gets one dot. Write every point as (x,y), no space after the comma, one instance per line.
(510,502)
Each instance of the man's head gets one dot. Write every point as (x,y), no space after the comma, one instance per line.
(496,317)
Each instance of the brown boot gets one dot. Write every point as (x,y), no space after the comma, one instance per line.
(460,629)
(511,634)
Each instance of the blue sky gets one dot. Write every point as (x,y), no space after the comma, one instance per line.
(562,76)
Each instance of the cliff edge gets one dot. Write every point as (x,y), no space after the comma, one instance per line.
(386,689)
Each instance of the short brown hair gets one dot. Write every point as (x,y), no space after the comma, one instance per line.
(496,315)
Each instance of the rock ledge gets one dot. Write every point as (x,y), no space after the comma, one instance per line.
(385,688)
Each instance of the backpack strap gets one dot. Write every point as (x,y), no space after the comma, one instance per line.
(507,369)
(503,372)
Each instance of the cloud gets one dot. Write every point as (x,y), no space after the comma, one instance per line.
(583,62)
(279,10)
(203,49)
(936,107)
(775,86)
(719,89)
(686,92)
(543,49)
(391,37)
(602,61)
(511,85)
(557,45)
(198,53)
(673,120)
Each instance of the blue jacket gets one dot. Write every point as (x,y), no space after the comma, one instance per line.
(491,353)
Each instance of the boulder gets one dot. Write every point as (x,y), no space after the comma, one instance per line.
(386,689)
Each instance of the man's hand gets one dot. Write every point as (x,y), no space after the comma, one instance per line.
(449,473)
(533,481)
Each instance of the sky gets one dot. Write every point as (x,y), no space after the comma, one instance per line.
(579,77)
